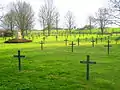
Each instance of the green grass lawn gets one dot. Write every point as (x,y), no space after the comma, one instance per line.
(57,68)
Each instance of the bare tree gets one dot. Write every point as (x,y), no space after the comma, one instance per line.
(90,21)
(8,21)
(57,21)
(115,11)
(1,13)
(70,21)
(49,12)
(24,16)
(42,18)
(102,18)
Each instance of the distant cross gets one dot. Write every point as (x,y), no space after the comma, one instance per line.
(79,33)
(5,38)
(87,62)
(78,41)
(108,46)
(19,59)
(56,37)
(32,37)
(111,34)
(108,37)
(29,38)
(72,44)
(44,39)
(96,40)
(101,39)
(66,41)
(39,35)
(83,34)
(41,45)
(116,41)
(93,43)
(97,36)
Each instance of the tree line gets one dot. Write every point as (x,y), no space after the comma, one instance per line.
(20,16)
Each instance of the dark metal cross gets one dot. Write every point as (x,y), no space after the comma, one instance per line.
(19,59)
(78,41)
(116,41)
(83,34)
(66,41)
(108,37)
(56,37)
(93,43)
(79,33)
(108,46)
(88,62)
(33,38)
(44,39)
(101,39)
(72,44)
(41,45)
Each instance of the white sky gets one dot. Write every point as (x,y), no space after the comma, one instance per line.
(80,8)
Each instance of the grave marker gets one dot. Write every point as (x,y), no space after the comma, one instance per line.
(108,37)
(83,34)
(93,41)
(56,37)
(116,41)
(66,42)
(78,41)
(101,39)
(41,45)
(19,59)
(88,62)
(108,46)
(72,45)
(44,39)
(79,33)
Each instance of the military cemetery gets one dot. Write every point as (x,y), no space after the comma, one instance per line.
(59,55)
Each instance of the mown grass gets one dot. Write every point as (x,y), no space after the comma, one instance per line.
(57,68)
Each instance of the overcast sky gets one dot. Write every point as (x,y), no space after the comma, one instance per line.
(80,8)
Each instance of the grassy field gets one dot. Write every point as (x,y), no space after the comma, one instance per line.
(57,68)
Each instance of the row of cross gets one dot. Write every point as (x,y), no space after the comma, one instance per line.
(87,62)
(73,44)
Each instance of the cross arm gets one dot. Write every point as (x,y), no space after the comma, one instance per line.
(93,41)
(85,62)
(66,40)
(72,44)
(18,56)
(107,45)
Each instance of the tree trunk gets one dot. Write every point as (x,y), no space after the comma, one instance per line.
(57,30)
(70,31)
(22,33)
(49,30)
(26,32)
(11,28)
(102,31)
(43,32)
